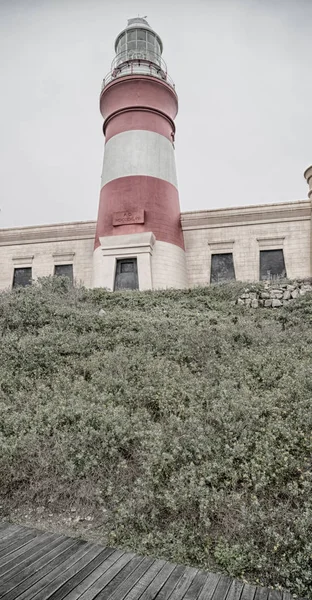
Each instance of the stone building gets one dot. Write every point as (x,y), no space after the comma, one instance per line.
(141,239)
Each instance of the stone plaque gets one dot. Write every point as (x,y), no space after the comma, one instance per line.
(128,217)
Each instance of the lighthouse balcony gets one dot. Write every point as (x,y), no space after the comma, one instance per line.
(142,63)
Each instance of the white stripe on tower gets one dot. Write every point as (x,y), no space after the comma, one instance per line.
(139,153)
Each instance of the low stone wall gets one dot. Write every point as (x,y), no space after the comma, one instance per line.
(274,294)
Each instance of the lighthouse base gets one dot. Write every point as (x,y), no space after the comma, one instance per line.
(158,265)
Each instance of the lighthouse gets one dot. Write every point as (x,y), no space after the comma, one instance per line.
(139,241)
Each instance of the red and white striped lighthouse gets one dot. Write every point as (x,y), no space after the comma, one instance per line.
(139,240)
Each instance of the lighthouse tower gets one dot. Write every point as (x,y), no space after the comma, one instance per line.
(139,240)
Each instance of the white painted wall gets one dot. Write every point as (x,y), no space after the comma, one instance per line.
(168,266)
(139,153)
(160,265)
(113,248)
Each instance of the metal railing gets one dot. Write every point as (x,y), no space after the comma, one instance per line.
(142,63)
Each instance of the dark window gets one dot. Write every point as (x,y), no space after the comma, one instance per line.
(65,271)
(126,277)
(272,264)
(22,277)
(222,268)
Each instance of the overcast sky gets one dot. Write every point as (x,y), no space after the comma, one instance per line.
(242,70)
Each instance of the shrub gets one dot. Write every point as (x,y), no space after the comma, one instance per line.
(186,418)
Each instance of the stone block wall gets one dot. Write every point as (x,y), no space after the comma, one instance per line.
(274,294)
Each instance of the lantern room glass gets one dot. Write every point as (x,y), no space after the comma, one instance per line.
(138,44)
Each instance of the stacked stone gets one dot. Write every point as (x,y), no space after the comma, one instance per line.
(275,295)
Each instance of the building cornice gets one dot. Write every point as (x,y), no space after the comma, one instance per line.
(59,232)
(299,210)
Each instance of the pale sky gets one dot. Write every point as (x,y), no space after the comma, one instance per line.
(242,70)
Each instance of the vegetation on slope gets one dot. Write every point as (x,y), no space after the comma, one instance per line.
(182,419)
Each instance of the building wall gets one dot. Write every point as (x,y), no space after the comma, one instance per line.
(244,231)
(44,246)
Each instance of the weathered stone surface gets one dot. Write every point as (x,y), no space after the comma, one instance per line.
(276,303)
(276,294)
(279,295)
(102,312)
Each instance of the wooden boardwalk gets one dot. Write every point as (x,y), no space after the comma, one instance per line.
(42,566)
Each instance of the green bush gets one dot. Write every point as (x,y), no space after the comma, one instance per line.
(187,418)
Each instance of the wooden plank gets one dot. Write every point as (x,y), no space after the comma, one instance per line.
(7,533)
(262,593)
(248,592)
(171,583)
(20,551)
(235,590)
(12,568)
(196,586)
(129,582)
(124,587)
(145,580)
(41,543)
(38,577)
(119,578)
(222,588)
(81,575)
(111,557)
(209,586)
(55,557)
(107,577)
(50,583)
(20,542)
(4,525)
(184,583)
(157,584)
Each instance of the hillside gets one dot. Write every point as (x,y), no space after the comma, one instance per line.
(173,423)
